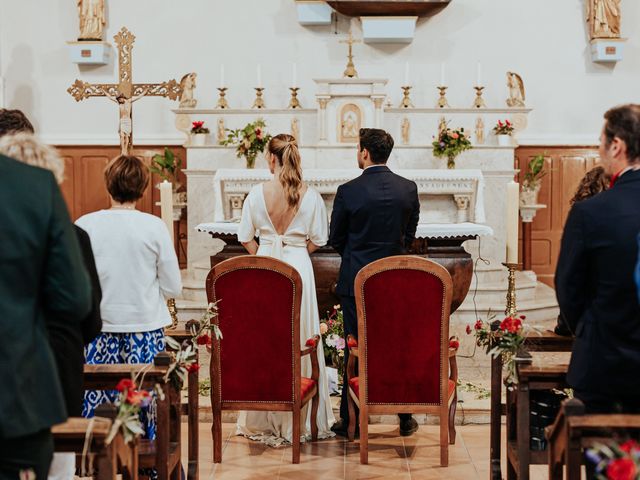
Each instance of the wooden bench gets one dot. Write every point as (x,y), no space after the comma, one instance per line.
(573,430)
(110,460)
(191,406)
(164,452)
(535,342)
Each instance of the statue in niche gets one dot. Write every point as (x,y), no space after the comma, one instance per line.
(603,17)
(295,130)
(222,133)
(350,122)
(405,128)
(480,131)
(92,19)
(187,87)
(516,90)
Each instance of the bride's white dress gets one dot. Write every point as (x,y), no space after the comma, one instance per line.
(309,223)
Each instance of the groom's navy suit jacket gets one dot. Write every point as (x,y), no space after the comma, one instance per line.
(374,216)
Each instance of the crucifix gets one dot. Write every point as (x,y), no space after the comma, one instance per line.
(125,92)
(350,71)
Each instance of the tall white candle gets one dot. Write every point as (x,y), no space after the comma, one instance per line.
(221,75)
(166,206)
(259,75)
(479,75)
(406,74)
(512,221)
(442,79)
(294,74)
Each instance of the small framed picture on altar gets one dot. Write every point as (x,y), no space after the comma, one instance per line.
(350,121)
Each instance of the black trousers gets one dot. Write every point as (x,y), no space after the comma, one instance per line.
(350,316)
(33,452)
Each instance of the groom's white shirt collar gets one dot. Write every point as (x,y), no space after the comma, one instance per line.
(374,166)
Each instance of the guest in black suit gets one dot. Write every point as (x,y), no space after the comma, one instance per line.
(594,278)
(374,216)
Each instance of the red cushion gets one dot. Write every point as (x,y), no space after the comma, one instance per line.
(354,383)
(306,385)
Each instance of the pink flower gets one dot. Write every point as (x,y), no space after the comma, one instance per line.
(340,343)
(259,133)
(454,135)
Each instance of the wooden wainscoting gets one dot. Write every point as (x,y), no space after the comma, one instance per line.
(84,189)
(565,168)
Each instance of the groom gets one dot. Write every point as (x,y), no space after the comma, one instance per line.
(374,216)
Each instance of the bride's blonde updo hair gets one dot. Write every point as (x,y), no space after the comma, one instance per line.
(285,148)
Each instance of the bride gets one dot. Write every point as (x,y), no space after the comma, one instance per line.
(290,219)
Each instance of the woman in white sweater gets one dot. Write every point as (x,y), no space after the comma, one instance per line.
(138,271)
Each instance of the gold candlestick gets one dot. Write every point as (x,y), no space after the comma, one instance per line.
(259,101)
(173,312)
(442,101)
(479,101)
(294,102)
(222,102)
(512,309)
(406,100)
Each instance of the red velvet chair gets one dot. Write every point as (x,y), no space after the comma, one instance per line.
(256,366)
(406,360)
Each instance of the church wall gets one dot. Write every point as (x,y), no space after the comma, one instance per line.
(545,41)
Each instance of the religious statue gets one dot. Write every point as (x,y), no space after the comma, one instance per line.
(126,123)
(349,126)
(603,17)
(516,90)
(295,129)
(404,128)
(92,19)
(222,133)
(188,85)
(480,131)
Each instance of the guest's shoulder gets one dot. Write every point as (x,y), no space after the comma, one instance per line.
(13,168)
(88,220)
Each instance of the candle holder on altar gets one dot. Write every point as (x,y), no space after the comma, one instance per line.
(512,309)
(406,99)
(259,101)
(479,101)
(442,100)
(173,312)
(222,101)
(294,102)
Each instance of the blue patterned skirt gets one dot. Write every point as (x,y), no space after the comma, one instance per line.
(118,348)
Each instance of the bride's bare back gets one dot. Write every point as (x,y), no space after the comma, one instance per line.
(279,211)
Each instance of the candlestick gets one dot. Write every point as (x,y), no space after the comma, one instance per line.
(222,101)
(479,101)
(511,221)
(221,75)
(294,102)
(173,313)
(511,309)
(166,206)
(406,100)
(259,101)
(259,75)
(442,101)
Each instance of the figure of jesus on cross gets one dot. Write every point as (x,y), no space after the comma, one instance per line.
(125,92)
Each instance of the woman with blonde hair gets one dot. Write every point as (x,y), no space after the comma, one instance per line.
(291,221)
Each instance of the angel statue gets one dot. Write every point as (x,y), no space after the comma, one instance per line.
(516,90)
(92,19)
(187,87)
(603,17)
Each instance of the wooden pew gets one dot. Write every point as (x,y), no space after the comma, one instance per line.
(164,452)
(573,430)
(191,407)
(110,460)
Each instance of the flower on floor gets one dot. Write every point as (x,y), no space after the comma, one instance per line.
(616,461)
(333,339)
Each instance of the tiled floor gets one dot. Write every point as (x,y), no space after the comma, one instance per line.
(390,457)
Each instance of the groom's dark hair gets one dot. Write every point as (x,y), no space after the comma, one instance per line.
(378,142)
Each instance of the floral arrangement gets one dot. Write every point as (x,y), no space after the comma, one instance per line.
(616,461)
(501,338)
(449,144)
(503,128)
(198,127)
(332,331)
(249,141)
(129,402)
(535,172)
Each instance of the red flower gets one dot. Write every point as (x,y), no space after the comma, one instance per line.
(259,133)
(454,135)
(622,469)
(194,367)
(455,344)
(125,384)
(136,397)
(204,339)
(352,343)
(629,445)
(468,329)
(499,123)
(522,317)
(198,124)
(508,123)
(311,342)
(511,325)
(478,325)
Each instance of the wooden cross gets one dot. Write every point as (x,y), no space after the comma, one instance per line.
(125,92)
(350,71)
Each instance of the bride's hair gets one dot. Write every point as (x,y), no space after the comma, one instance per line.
(285,148)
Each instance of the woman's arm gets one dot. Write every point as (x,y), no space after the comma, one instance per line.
(251,246)
(311,247)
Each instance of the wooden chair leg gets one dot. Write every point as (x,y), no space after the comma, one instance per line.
(452,418)
(574,460)
(444,436)
(295,436)
(163,431)
(216,434)
(351,429)
(315,402)
(364,436)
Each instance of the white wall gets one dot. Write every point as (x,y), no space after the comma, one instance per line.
(544,40)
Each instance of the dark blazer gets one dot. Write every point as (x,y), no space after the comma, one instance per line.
(596,291)
(41,273)
(638,271)
(67,339)
(374,216)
